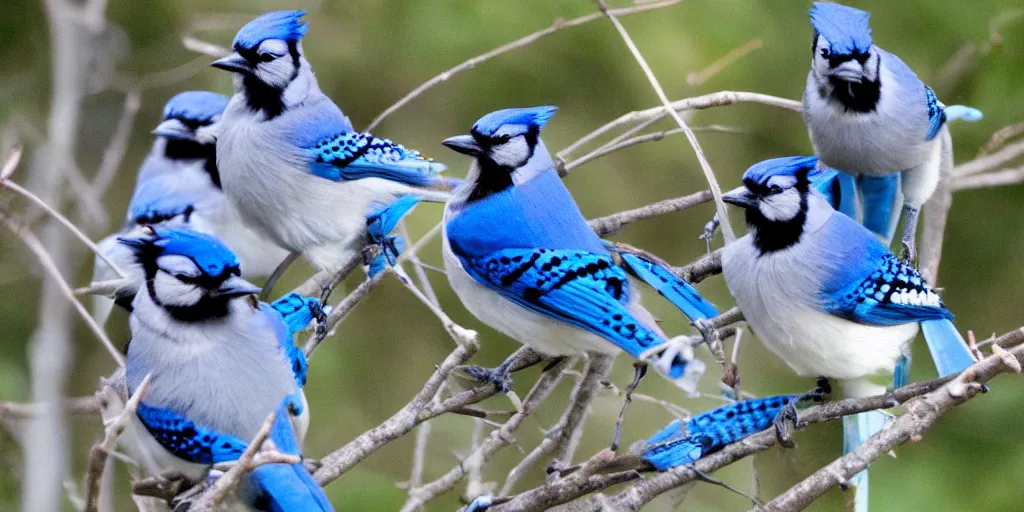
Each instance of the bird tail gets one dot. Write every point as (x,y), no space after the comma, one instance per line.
(655,272)
(880,200)
(856,430)
(948,348)
(285,487)
(901,375)
(962,113)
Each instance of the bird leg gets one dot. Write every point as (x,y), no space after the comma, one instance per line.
(821,390)
(639,370)
(277,273)
(500,376)
(910,215)
(709,231)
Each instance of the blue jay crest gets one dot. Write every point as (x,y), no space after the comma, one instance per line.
(761,172)
(199,107)
(534,117)
(845,28)
(284,25)
(210,255)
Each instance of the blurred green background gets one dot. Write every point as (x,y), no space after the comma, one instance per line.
(367,54)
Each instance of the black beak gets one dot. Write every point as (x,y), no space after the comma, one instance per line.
(234,63)
(236,287)
(464,144)
(741,197)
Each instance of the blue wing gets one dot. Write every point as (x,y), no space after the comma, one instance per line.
(379,224)
(936,113)
(285,487)
(880,200)
(710,431)
(285,328)
(872,286)
(583,289)
(353,155)
(187,440)
(668,285)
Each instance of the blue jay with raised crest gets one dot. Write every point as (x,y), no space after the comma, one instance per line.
(826,296)
(868,114)
(179,185)
(522,258)
(219,363)
(291,161)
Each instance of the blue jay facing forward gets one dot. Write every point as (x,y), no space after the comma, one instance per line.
(827,297)
(178,184)
(220,362)
(868,114)
(522,259)
(291,161)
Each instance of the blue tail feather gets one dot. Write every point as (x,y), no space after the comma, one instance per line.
(948,348)
(880,200)
(285,487)
(677,291)
(856,430)
(901,376)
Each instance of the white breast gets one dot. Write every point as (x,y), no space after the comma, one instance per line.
(777,293)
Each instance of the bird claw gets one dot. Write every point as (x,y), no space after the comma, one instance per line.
(709,231)
(821,390)
(909,253)
(502,379)
(707,330)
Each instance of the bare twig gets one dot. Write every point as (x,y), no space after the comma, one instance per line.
(990,161)
(248,461)
(100,452)
(114,154)
(64,221)
(193,44)
(611,224)
(518,43)
(567,438)
(11,164)
(936,213)
(617,145)
(708,265)
(1000,137)
(1000,178)
(77,406)
(34,245)
(716,67)
(342,310)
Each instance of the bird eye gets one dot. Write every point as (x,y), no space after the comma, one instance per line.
(825,53)
(501,139)
(267,57)
(775,189)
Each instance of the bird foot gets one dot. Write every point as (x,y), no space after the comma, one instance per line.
(707,331)
(789,412)
(500,377)
(909,254)
(709,231)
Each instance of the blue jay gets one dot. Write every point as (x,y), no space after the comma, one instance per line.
(291,161)
(522,259)
(826,296)
(220,362)
(178,184)
(868,114)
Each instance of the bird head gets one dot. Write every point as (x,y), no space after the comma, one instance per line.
(268,49)
(842,51)
(503,142)
(189,111)
(781,200)
(191,275)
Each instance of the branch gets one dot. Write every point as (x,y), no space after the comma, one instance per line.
(34,245)
(992,161)
(709,174)
(567,437)
(921,414)
(625,142)
(518,43)
(1000,178)
(706,266)
(77,406)
(611,224)
(100,452)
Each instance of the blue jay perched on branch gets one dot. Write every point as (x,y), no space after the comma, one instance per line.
(291,161)
(179,185)
(868,114)
(522,259)
(220,362)
(826,296)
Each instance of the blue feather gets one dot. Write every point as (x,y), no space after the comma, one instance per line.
(680,293)
(379,224)
(856,430)
(784,166)
(201,107)
(288,315)
(845,28)
(532,116)
(285,487)
(936,113)
(948,348)
(284,25)
(710,431)
(869,288)
(963,113)
(538,213)
(154,204)
(353,156)
(880,196)
(186,440)
(901,374)
(209,254)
